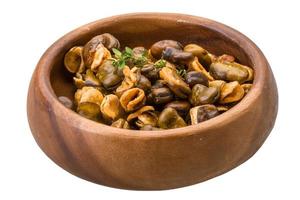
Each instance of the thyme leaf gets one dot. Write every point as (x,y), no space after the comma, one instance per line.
(160,63)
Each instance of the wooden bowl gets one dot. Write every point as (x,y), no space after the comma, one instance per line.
(146,160)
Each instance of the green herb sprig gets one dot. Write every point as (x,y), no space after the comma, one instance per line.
(127,56)
(160,63)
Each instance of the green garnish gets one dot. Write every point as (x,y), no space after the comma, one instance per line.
(118,54)
(140,61)
(127,56)
(160,63)
(128,51)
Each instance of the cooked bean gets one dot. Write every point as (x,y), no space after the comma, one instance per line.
(193,77)
(73,60)
(203,95)
(150,71)
(121,123)
(144,116)
(88,101)
(161,95)
(202,113)
(182,107)
(177,56)
(110,107)
(231,72)
(203,56)
(132,99)
(158,47)
(169,118)
(175,83)
(231,92)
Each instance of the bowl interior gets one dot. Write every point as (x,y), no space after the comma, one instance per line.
(139,30)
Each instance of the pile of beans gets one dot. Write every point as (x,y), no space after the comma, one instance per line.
(164,87)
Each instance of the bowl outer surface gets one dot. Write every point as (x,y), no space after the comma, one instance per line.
(148,160)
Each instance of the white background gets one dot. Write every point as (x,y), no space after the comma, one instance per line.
(29,27)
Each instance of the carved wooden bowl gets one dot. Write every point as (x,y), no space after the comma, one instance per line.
(150,160)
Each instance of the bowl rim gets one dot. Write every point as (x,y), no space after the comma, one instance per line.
(257,59)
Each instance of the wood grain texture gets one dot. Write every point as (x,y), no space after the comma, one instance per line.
(146,160)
